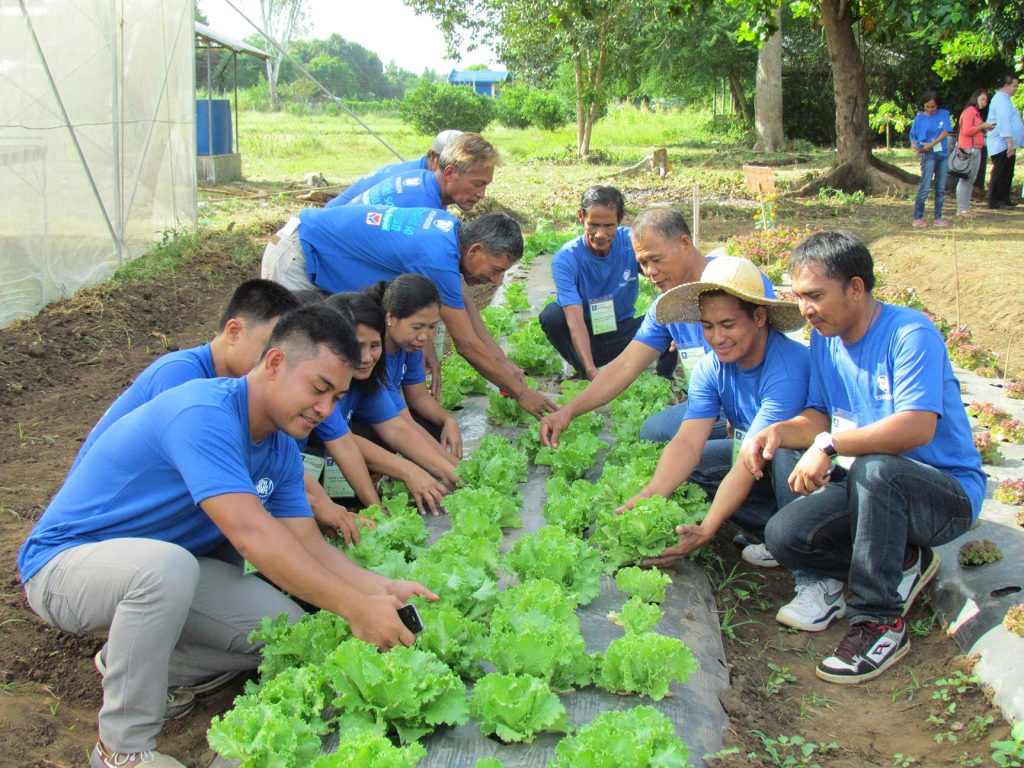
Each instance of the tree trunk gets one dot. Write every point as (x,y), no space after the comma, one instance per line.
(739,103)
(858,169)
(768,93)
(273,71)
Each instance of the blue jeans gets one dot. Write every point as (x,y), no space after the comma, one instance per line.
(768,495)
(932,165)
(858,527)
(604,347)
(662,426)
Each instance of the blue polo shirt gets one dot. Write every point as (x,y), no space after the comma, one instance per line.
(899,365)
(926,128)
(351,247)
(147,474)
(685,335)
(582,276)
(752,398)
(412,189)
(367,181)
(403,368)
(167,372)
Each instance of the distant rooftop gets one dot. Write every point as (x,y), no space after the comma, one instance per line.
(478,76)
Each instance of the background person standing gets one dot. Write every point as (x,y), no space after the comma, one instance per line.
(928,138)
(1006,136)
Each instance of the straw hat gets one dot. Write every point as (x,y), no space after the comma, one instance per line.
(737,277)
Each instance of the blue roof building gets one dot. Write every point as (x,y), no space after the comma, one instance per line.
(486,82)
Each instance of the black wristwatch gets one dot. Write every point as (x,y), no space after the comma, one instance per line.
(823,442)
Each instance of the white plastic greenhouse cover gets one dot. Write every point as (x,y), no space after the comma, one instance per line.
(97,140)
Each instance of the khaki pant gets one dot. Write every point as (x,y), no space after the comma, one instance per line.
(284,261)
(172,619)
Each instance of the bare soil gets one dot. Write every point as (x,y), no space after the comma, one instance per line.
(60,370)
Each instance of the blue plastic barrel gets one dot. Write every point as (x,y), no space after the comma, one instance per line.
(219,126)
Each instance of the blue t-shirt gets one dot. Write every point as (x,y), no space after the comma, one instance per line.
(165,373)
(367,181)
(413,189)
(685,335)
(582,276)
(147,474)
(403,368)
(926,128)
(900,365)
(358,404)
(351,247)
(752,398)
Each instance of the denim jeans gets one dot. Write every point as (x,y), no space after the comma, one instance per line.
(768,495)
(858,527)
(932,165)
(662,426)
(604,347)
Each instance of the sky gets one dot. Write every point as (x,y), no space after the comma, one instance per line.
(389,28)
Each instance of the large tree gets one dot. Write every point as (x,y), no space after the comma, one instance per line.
(841,20)
(282,22)
(598,37)
(768,123)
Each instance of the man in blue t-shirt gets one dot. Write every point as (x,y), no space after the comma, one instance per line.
(130,544)
(666,254)
(464,170)
(755,375)
(351,247)
(884,404)
(596,281)
(242,334)
(426,163)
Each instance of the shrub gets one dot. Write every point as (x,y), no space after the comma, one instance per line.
(547,111)
(432,107)
(510,106)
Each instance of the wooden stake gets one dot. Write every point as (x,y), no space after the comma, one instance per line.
(956,275)
(696,216)
(1006,362)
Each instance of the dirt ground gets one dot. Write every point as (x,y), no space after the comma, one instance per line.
(59,371)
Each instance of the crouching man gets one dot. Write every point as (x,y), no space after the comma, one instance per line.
(129,544)
(888,468)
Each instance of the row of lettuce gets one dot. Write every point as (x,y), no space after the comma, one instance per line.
(519,646)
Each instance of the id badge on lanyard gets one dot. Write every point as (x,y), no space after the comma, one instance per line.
(602,315)
(314,465)
(738,436)
(843,421)
(334,482)
(690,358)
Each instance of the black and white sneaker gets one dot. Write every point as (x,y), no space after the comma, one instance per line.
(917,572)
(816,605)
(866,652)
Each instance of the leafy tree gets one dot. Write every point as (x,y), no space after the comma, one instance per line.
(282,21)
(431,107)
(335,75)
(598,37)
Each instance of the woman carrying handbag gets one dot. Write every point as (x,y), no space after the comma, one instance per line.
(972,141)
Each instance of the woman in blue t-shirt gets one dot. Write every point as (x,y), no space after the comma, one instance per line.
(412,307)
(368,404)
(928,138)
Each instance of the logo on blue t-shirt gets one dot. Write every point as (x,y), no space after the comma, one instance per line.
(373,218)
(444,225)
(264,487)
(625,275)
(413,182)
(882,382)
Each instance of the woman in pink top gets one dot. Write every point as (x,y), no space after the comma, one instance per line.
(971,139)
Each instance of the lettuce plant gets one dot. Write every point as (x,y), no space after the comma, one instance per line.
(645,662)
(551,553)
(647,584)
(516,707)
(641,737)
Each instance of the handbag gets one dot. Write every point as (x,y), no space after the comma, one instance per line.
(959,163)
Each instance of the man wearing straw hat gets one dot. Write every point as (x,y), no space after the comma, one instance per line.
(426,163)
(668,258)
(882,401)
(755,374)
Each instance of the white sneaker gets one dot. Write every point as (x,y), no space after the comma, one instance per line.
(921,570)
(102,758)
(758,554)
(816,604)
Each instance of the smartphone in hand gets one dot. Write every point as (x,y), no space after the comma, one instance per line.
(411,618)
